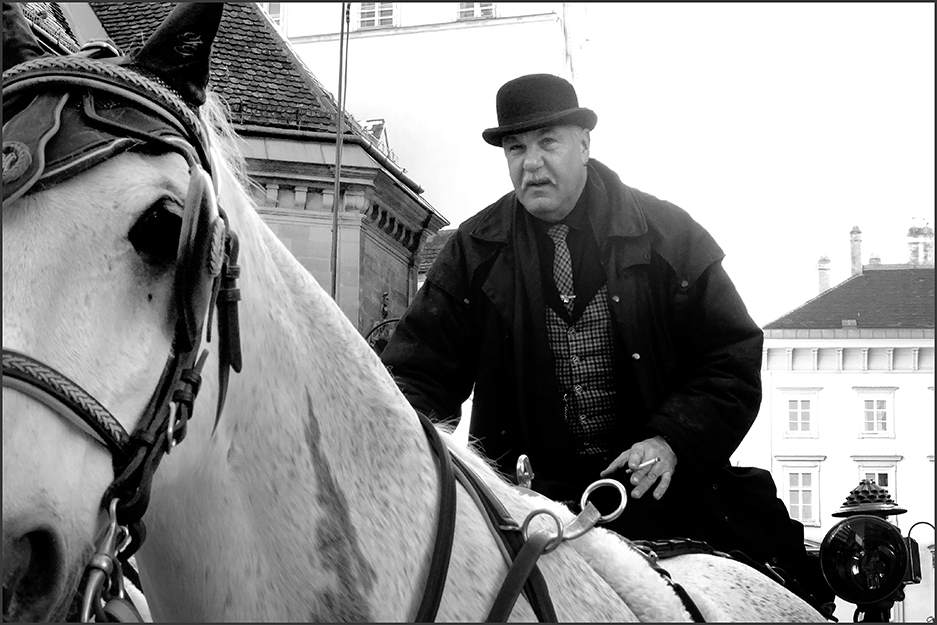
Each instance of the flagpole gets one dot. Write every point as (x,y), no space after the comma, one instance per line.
(336,201)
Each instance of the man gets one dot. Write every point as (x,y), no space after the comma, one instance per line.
(599,331)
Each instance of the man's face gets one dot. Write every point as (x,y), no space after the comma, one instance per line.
(548,169)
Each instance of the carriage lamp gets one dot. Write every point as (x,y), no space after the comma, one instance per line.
(864,558)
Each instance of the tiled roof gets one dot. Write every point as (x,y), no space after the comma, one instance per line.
(889,296)
(431,249)
(253,68)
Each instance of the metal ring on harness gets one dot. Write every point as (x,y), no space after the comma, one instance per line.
(555,541)
(598,484)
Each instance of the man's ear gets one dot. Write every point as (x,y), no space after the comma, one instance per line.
(586,141)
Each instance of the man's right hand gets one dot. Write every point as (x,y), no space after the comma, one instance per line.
(643,479)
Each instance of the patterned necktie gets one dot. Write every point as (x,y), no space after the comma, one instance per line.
(562,266)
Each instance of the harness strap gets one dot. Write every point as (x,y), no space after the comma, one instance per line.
(445,532)
(226,297)
(132,484)
(524,564)
(675,547)
(688,602)
(534,584)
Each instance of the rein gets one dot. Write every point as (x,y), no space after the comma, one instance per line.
(522,551)
(88,110)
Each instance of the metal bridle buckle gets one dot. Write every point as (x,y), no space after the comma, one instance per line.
(171,427)
(105,578)
(524,471)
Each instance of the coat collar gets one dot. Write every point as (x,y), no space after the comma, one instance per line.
(624,218)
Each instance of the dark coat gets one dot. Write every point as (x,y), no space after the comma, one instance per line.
(693,350)
(693,373)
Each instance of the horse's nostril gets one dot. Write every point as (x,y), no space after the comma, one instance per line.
(30,569)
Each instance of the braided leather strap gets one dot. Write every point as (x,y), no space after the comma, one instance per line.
(63,396)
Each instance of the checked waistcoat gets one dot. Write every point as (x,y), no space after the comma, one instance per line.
(584,359)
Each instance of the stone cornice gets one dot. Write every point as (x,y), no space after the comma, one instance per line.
(852,333)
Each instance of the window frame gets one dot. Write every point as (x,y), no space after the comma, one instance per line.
(799,394)
(477,9)
(279,19)
(876,393)
(378,6)
(802,465)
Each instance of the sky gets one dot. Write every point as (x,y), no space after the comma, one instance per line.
(778,127)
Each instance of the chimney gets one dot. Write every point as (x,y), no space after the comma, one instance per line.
(928,233)
(875,259)
(920,244)
(823,266)
(855,248)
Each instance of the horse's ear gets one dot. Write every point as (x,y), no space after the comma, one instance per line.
(179,50)
(19,43)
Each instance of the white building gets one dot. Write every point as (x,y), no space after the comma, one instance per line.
(426,75)
(848,383)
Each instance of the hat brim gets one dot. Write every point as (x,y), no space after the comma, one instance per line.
(582,117)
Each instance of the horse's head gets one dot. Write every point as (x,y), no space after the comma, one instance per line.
(113,253)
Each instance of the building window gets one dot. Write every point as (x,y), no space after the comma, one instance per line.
(801,491)
(800,412)
(798,415)
(800,487)
(275,11)
(881,478)
(376,14)
(475,10)
(876,416)
(883,470)
(877,412)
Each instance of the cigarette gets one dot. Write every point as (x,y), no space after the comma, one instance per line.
(644,464)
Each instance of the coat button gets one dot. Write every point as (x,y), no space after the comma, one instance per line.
(636,356)
(684,284)
(466,301)
(615,298)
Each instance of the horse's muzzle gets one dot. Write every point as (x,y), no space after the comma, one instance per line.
(32,575)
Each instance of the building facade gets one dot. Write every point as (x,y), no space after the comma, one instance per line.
(848,382)
(426,74)
(288,127)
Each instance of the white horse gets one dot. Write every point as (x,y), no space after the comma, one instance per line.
(315,497)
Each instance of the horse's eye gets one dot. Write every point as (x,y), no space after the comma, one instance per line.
(155,235)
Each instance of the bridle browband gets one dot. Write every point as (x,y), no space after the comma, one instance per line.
(120,108)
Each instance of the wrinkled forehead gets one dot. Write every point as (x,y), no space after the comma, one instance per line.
(562,131)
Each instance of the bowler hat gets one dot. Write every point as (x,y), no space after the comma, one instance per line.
(536,101)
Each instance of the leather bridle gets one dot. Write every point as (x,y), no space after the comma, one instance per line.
(119,108)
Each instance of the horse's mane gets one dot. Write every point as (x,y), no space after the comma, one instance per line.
(224,140)
(216,116)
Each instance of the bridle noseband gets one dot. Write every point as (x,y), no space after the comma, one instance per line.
(118,108)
